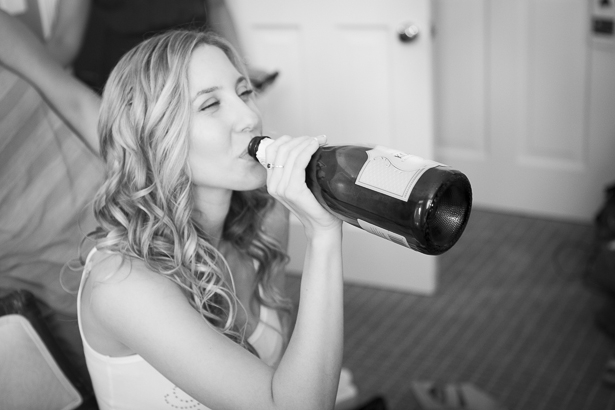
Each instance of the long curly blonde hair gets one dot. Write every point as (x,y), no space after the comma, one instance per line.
(145,208)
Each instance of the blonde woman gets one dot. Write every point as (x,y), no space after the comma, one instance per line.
(180,304)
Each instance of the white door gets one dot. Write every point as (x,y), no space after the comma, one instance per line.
(345,73)
(525,102)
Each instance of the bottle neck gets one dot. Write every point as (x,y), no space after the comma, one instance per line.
(257,148)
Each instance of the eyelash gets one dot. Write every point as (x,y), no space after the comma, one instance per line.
(245,94)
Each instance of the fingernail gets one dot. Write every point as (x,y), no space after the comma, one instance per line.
(321,139)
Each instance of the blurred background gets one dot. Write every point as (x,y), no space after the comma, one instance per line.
(520,96)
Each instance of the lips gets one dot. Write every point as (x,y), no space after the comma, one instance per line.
(244,153)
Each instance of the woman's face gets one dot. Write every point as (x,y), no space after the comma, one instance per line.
(224,120)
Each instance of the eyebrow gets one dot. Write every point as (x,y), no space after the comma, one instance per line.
(215,88)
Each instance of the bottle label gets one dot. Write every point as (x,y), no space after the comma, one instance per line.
(392,172)
(383,233)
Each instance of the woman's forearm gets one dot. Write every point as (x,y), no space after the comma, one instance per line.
(68,30)
(314,355)
(23,53)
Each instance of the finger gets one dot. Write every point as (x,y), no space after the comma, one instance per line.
(287,153)
(286,143)
(321,139)
(295,158)
(290,179)
(276,156)
(284,149)
(271,150)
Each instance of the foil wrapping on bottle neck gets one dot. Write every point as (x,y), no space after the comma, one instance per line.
(260,152)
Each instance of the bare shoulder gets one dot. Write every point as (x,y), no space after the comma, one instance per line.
(115,270)
(118,285)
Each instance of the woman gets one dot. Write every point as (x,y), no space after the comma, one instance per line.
(178,304)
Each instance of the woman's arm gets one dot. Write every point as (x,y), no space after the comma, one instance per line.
(150,315)
(317,341)
(24,54)
(68,29)
(277,225)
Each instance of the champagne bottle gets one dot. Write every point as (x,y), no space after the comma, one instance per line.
(417,203)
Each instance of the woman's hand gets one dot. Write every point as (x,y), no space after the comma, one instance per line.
(286,182)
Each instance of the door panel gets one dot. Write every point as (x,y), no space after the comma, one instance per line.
(523,104)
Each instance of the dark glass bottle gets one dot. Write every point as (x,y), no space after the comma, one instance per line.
(416,203)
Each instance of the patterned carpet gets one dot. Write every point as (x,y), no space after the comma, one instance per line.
(511,316)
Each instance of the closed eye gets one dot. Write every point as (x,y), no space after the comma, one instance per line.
(247,93)
(209,105)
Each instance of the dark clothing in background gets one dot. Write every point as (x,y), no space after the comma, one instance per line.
(116,26)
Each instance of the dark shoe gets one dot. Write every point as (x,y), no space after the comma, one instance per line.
(452,396)
(375,403)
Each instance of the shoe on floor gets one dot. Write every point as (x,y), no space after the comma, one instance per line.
(452,396)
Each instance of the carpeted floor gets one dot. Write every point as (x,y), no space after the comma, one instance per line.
(511,315)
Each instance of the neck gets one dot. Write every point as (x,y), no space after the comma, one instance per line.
(211,209)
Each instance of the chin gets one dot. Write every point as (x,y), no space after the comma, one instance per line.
(259,172)
(256,179)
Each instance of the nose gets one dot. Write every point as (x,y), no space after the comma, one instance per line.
(247,116)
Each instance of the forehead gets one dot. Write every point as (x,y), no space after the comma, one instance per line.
(209,67)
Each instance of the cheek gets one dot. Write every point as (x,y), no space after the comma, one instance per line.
(202,159)
(198,156)
(205,146)
(202,170)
